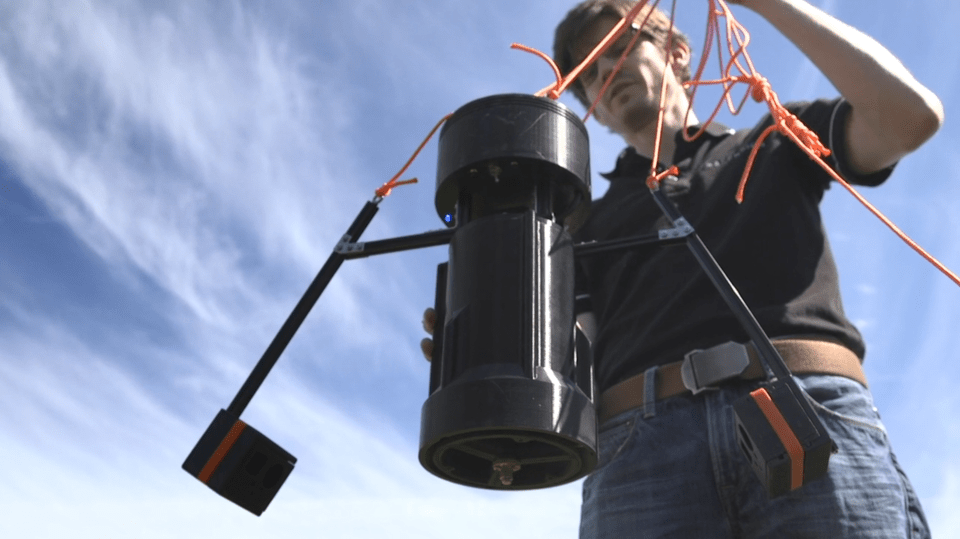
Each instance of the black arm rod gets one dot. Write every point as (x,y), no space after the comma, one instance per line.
(768,354)
(402,243)
(596,247)
(299,314)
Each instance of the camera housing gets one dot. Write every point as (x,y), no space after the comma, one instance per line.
(780,435)
(239,463)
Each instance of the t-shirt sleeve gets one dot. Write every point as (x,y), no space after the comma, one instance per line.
(827,119)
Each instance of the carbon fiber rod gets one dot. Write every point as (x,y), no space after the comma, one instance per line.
(299,314)
(768,354)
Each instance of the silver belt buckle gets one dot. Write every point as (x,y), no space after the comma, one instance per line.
(704,369)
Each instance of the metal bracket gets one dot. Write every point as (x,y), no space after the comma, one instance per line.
(704,369)
(345,246)
(681,228)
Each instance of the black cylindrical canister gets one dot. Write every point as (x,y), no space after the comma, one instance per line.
(511,402)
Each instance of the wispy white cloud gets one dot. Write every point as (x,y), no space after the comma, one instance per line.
(941,508)
(102,451)
(64,404)
(200,141)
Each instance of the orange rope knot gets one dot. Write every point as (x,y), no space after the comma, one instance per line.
(653,180)
(761,89)
(792,124)
(384,190)
(785,122)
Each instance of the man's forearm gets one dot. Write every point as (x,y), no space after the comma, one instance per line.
(888,100)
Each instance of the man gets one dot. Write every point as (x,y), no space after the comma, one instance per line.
(669,462)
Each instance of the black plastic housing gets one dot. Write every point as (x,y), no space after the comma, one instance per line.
(511,402)
(511,152)
(239,463)
(511,399)
(759,441)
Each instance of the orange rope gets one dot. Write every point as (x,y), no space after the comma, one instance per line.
(549,91)
(758,87)
(783,120)
(653,179)
(554,90)
(610,39)
(384,190)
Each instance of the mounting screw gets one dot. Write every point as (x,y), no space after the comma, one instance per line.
(506,469)
(495,171)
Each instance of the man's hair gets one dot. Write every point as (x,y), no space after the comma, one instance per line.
(582,16)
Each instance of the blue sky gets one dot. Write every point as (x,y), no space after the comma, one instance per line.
(172,176)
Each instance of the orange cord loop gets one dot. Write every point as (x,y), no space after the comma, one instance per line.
(550,91)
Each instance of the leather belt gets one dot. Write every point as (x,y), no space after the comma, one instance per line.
(703,369)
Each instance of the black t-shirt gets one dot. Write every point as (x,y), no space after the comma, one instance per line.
(655,304)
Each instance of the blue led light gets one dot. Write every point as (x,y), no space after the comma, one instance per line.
(447,218)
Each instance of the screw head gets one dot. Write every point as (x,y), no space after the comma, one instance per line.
(506,468)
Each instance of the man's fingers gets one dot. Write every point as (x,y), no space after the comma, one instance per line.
(429,320)
(426,346)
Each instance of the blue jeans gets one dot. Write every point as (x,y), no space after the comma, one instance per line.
(679,473)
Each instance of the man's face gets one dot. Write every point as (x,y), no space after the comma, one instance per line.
(632,100)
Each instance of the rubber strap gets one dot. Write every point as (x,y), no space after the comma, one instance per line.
(221,451)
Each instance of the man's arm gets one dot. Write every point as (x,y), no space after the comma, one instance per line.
(892,113)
